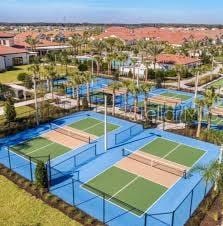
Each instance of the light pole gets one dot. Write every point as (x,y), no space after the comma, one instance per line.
(105,125)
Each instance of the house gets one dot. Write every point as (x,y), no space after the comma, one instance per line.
(10,55)
(169,61)
(43,46)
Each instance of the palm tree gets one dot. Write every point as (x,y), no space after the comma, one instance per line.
(122,58)
(114,87)
(180,69)
(194,46)
(145,88)
(125,85)
(75,80)
(141,46)
(98,46)
(98,60)
(75,42)
(210,98)
(88,77)
(134,90)
(50,74)
(201,104)
(154,49)
(212,173)
(32,42)
(64,60)
(35,69)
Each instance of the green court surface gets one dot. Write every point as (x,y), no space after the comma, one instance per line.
(127,190)
(39,146)
(172,151)
(176,95)
(93,126)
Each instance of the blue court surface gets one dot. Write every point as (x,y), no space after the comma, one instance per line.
(107,184)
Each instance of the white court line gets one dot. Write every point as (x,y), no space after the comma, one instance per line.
(132,181)
(93,126)
(171,151)
(40,148)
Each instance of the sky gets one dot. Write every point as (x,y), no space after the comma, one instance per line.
(113,11)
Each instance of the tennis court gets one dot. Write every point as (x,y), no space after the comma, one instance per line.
(93,126)
(142,177)
(183,97)
(40,146)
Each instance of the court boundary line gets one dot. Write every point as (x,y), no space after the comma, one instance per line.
(40,148)
(171,151)
(124,187)
(140,216)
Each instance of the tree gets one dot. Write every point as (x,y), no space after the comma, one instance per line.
(50,74)
(35,69)
(210,97)
(154,49)
(125,85)
(75,80)
(41,175)
(188,116)
(98,46)
(145,88)
(180,70)
(114,87)
(9,110)
(212,173)
(75,42)
(88,77)
(194,46)
(201,104)
(134,90)
(32,42)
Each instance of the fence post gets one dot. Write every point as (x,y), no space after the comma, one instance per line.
(9,157)
(191,202)
(205,191)
(49,166)
(75,163)
(30,167)
(145,222)
(103,208)
(73,193)
(173,215)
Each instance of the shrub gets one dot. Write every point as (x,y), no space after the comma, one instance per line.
(41,175)
(9,110)
(169,114)
(84,104)
(22,76)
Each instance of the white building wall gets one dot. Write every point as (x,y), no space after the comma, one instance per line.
(7,41)
(2,64)
(9,59)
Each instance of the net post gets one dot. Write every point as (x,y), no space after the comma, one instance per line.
(30,167)
(185,174)
(95,150)
(9,157)
(89,139)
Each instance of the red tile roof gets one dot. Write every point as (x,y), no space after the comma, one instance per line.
(176,59)
(6,35)
(170,35)
(6,50)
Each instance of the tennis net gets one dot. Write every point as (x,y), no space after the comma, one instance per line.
(70,133)
(163,165)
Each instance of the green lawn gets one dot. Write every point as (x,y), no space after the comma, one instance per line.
(93,126)
(40,147)
(20,208)
(172,151)
(23,111)
(126,189)
(10,76)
